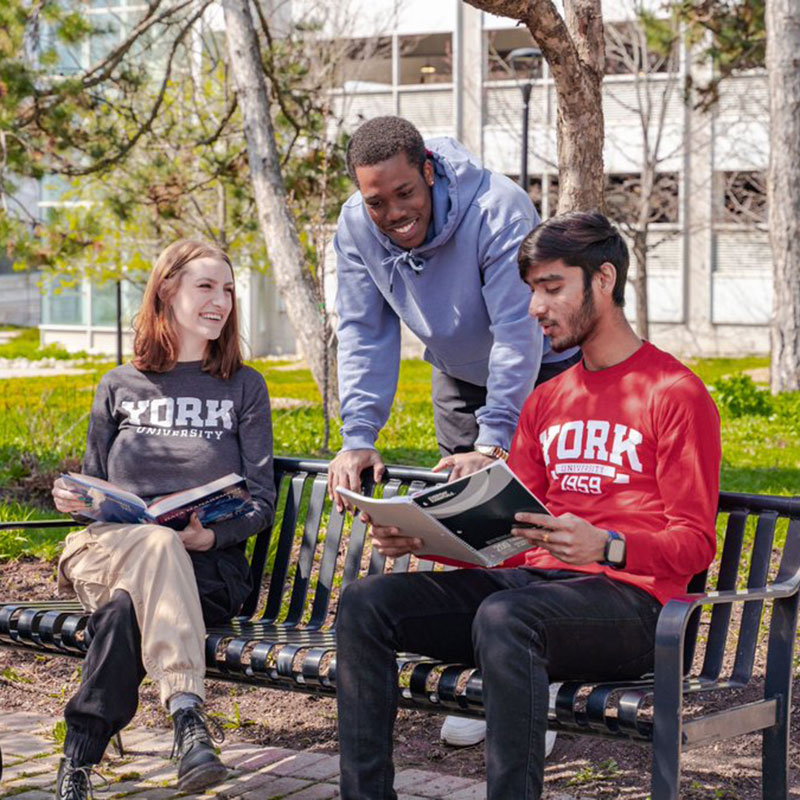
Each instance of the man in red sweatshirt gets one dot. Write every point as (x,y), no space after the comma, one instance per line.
(624,448)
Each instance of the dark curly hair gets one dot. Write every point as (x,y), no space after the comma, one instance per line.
(579,239)
(380,138)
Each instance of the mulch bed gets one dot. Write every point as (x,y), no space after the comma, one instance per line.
(580,766)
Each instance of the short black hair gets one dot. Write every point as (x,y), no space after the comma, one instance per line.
(579,239)
(381,138)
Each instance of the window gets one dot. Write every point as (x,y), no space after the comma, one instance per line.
(365,62)
(644,48)
(426,59)
(104,302)
(63,304)
(624,198)
(106,35)
(537,195)
(499,44)
(741,198)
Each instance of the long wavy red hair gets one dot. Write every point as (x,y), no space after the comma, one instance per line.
(155,343)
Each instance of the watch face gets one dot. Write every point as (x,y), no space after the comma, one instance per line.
(616,551)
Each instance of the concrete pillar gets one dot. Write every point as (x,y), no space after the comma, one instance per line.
(468,73)
(698,218)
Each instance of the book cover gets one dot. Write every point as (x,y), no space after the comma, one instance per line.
(224,498)
(468,520)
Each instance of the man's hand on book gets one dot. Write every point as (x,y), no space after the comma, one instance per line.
(391,541)
(66,500)
(195,537)
(568,538)
(461,464)
(345,471)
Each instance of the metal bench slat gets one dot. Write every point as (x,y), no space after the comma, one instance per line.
(304,563)
(283,552)
(751,613)
(721,614)
(327,568)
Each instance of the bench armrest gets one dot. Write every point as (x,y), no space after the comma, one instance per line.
(674,619)
(675,615)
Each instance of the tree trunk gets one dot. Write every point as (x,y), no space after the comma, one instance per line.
(783,190)
(640,284)
(293,275)
(574,48)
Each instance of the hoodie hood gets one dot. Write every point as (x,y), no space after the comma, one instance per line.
(458,176)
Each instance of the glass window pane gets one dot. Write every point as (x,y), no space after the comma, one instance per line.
(57,56)
(107,35)
(54,187)
(426,59)
(63,304)
(365,63)
(499,44)
(132,293)
(104,303)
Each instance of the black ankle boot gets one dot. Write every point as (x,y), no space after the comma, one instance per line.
(199,766)
(74,780)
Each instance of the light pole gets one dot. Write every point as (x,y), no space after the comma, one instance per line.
(119,320)
(524,56)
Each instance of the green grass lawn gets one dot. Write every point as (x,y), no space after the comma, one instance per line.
(43,427)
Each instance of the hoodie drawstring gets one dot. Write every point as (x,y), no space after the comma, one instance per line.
(405,257)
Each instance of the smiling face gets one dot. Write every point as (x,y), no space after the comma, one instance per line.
(562,304)
(398,198)
(201,305)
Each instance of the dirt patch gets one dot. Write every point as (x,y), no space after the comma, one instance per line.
(580,766)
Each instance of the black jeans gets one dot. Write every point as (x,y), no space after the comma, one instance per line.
(521,627)
(455,403)
(112,670)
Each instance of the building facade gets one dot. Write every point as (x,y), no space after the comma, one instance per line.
(445,67)
(709,263)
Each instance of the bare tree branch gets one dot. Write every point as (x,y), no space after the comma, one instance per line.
(108,161)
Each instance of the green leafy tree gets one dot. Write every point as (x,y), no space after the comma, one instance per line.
(141,126)
(731,33)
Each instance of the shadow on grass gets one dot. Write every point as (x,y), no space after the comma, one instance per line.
(761,480)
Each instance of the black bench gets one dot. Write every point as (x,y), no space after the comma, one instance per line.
(706,641)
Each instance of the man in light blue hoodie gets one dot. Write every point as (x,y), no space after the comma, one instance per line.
(431,239)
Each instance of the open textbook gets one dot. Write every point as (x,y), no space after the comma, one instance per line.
(467,521)
(224,498)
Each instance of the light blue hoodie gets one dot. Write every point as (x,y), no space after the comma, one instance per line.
(459,292)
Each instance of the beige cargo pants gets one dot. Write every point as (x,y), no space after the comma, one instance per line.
(150,563)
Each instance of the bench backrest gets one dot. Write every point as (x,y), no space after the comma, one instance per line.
(313,552)
(761,546)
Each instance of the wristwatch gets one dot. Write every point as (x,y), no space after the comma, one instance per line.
(492,450)
(614,553)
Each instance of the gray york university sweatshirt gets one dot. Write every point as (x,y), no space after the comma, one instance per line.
(157,433)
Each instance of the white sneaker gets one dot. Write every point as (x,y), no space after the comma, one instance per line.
(465,731)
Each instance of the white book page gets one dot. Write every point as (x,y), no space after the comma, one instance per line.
(401,513)
(110,488)
(178,499)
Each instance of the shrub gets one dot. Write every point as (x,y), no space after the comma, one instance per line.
(740,397)
(26,345)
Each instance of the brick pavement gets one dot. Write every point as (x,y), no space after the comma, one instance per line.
(31,755)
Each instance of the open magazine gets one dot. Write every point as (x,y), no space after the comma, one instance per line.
(224,498)
(467,521)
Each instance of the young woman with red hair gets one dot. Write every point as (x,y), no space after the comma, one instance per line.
(184,412)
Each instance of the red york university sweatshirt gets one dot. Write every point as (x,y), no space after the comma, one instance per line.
(634,448)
